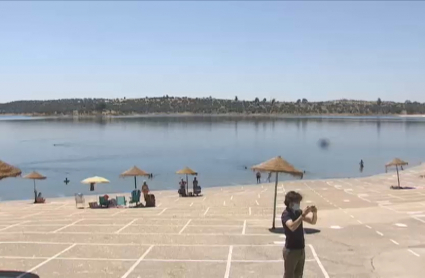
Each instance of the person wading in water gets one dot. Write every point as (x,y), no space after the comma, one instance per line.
(292,221)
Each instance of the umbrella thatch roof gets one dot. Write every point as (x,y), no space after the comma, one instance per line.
(7,171)
(186,171)
(34,176)
(396,162)
(134,172)
(95,179)
(277,165)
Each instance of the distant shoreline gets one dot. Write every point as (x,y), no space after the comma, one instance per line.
(235,115)
(210,106)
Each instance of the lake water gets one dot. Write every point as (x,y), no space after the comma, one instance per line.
(218,148)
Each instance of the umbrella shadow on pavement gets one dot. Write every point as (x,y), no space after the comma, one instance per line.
(7,274)
(308,231)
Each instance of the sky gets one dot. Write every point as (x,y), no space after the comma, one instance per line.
(279,49)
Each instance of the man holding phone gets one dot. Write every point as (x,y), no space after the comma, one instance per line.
(292,221)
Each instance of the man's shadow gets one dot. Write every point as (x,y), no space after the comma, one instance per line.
(7,274)
(307,231)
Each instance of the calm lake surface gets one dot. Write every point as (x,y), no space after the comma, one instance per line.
(218,148)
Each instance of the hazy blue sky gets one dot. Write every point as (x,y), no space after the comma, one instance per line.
(282,50)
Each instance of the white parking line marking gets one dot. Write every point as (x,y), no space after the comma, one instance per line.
(414,253)
(249,210)
(66,226)
(137,262)
(46,261)
(400,225)
(369,227)
(188,222)
(360,222)
(231,198)
(244,227)
(229,262)
(206,211)
(379,233)
(325,274)
(257,202)
(414,212)
(191,204)
(417,218)
(128,224)
(30,215)
(162,211)
(121,211)
(395,242)
(396,197)
(14,225)
(336,227)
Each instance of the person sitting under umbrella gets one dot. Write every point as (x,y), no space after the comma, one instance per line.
(145,188)
(182,190)
(40,199)
(149,198)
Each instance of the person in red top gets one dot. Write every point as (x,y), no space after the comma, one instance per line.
(292,221)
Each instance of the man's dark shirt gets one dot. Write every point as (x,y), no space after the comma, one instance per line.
(294,239)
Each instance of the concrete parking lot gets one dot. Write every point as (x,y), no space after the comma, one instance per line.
(364,230)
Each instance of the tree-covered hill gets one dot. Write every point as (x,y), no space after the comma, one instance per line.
(210,105)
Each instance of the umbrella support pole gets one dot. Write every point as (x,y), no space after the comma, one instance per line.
(35,193)
(274,206)
(398,177)
(187,185)
(135,182)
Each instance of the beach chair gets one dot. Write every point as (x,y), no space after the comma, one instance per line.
(79,199)
(135,197)
(103,202)
(121,201)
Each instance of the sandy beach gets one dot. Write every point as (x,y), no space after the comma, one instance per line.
(364,230)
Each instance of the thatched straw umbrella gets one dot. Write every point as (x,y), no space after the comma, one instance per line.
(396,162)
(8,171)
(34,176)
(134,172)
(187,171)
(277,165)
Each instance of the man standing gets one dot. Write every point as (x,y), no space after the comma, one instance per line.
(269,178)
(292,221)
(258,175)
